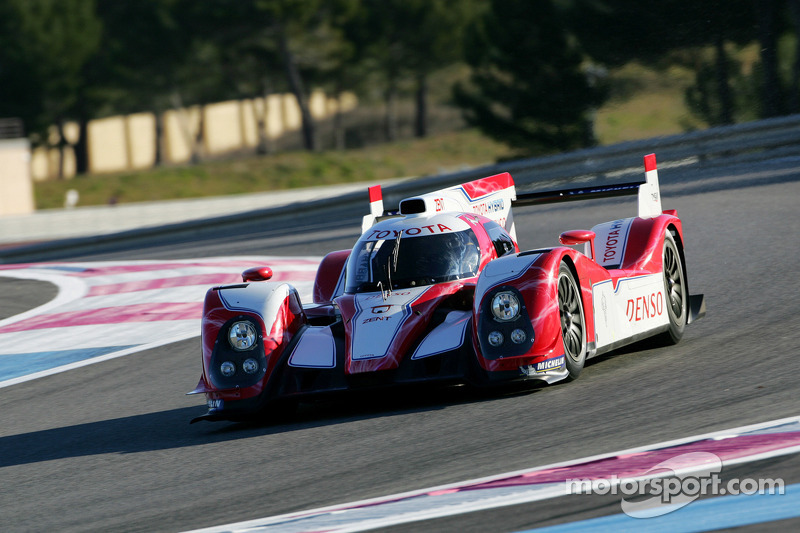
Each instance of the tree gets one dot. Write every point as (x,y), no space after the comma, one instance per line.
(301,32)
(528,87)
(405,41)
(45,49)
(767,17)
(794,85)
(615,32)
(138,66)
(436,41)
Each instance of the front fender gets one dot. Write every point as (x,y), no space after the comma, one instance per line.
(274,310)
(533,276)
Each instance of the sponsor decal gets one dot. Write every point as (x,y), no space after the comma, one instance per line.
(394,293)
(645,307)
(439,204)
(604,307)
(484,208)
(550,364)
(613,241)
(410,232)
(376,319)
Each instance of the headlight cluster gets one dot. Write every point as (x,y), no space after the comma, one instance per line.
(242,335)
(508,331)
(496,338)
(228,368)
(505,306)
(231,362)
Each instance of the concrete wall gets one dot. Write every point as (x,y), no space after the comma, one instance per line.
(123,143)
(16,189)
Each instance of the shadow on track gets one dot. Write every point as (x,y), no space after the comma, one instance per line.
(170,429)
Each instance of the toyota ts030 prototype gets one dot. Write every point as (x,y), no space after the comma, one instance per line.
(440,291)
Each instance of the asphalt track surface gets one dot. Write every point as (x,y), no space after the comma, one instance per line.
(108,446)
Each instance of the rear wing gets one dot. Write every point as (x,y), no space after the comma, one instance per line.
(647,190)
(493,197)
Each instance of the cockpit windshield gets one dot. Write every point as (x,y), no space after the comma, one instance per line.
(402,262)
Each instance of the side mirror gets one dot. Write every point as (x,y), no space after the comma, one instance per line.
(257,274)
(579,236)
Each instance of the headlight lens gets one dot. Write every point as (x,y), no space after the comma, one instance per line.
(242,335)
(495,338)
(227,369)
(250,366)
(518,336)
(505,306)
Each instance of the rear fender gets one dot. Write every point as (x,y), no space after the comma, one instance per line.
(634,244)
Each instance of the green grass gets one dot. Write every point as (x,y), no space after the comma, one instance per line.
(441,153)
(646,103)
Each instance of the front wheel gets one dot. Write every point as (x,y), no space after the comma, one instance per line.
(573,325)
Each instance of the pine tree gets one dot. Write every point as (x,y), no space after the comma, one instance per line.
(528,87)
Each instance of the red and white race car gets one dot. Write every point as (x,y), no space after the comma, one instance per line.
(441,292)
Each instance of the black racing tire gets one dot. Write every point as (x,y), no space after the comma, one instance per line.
(676,295)
(573,322)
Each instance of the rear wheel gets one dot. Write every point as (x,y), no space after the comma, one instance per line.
(573,325)
(675,294)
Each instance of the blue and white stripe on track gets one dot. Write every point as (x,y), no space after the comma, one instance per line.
(709,514)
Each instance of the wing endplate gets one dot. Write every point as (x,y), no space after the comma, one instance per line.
(375,208)
(649,195)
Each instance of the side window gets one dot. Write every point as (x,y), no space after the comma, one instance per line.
(501,240)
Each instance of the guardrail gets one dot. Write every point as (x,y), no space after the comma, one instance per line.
(753,141)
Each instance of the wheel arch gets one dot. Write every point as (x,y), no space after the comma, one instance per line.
(587,298)
(677,237)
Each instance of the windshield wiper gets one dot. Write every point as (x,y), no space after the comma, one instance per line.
(391,266)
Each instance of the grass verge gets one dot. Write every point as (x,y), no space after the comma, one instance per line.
(418,157)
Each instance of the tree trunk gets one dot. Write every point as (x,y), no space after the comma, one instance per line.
(421,116)
(339,139)
(62,143)
(158,157)
(262,118)
(194,142)
(82,147)
(199,137)
(771,105)
(391,112)
(723,87)
(298,90)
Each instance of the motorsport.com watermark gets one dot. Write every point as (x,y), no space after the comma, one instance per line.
(672,484)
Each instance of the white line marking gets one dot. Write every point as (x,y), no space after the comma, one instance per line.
(364,514)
